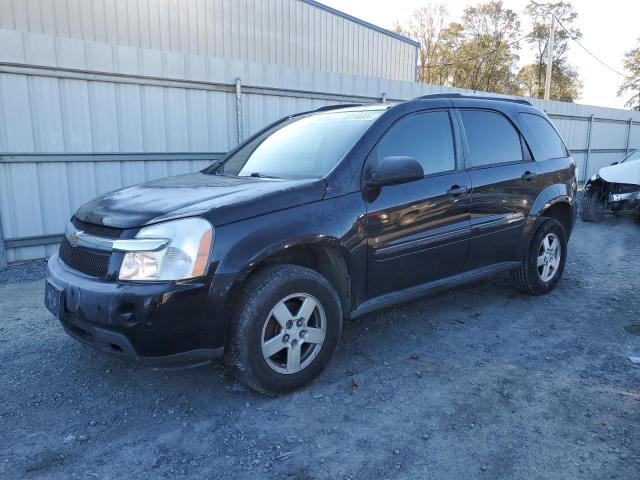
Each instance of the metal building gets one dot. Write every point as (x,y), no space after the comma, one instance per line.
(297,33)
(99,94)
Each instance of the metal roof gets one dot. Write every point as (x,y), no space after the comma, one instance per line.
(362,22)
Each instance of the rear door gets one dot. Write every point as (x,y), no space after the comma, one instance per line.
(418,232)
(505,182)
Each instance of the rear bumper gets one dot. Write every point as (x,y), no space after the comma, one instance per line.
(166,324)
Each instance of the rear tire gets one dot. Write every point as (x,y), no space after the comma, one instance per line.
(592,208)
(544,263)
(285,330)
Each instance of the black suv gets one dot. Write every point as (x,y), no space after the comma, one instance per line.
(321,216)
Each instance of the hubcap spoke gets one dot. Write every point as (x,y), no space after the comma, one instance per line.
(549,255)
(293,359)
(307,308)
(545,273)
(313,335)
(273,346)
(282,314)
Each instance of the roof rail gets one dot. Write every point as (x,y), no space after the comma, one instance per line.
(337,107)
(479,96)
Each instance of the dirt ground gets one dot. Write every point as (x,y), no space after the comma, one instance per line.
(478,382)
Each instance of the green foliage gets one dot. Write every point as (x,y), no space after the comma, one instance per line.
(631,85)
(565,86)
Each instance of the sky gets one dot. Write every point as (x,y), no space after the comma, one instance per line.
(609,29)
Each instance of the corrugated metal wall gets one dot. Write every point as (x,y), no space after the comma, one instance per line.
(70,108)
(298,33)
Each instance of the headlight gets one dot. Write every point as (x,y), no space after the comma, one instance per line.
(185,256)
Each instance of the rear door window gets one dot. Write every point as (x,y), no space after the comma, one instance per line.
(549,142)
(427,137)
(491,138)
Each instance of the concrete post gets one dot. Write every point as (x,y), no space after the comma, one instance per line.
(629,125)
(239,110)
(585,176)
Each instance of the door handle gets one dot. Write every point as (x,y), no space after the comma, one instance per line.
(457,190)
(528,176)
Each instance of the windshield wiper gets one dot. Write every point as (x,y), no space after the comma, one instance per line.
(261,175)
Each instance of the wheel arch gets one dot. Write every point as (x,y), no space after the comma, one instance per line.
(556,201)
(561,211)
(594,183)
(326,255)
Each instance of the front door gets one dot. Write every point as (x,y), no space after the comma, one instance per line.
(418,232)
(505,183)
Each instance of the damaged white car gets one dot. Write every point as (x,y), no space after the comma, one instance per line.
(614,189)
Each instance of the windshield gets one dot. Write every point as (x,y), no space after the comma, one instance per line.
(302,147)
(632,156)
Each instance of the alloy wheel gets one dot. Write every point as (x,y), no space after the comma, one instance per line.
(549,254)
(293,333)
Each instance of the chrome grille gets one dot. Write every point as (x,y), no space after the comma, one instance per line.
(94,263)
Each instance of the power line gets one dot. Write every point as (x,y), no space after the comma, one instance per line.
(491,52)
(587,50)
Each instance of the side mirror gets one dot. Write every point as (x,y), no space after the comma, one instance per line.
(395,170)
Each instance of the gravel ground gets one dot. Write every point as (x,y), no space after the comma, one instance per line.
(478,382)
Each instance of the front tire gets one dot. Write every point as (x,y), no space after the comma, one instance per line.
(285,330)
(544,263)
(592,207)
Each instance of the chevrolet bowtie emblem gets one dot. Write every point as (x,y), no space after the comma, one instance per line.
(73,239)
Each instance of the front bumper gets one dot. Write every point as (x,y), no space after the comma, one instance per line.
(622,197)
(627,202)
(166,324)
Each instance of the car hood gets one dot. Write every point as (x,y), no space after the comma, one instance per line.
(627,172)
(221,199)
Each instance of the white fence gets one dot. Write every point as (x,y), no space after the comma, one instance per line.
(78,118)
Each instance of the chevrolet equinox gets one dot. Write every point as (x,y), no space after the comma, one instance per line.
(321,216)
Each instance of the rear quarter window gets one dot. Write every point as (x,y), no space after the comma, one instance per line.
(549,143)
(491,138)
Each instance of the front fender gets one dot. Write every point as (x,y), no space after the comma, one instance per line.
(240,246)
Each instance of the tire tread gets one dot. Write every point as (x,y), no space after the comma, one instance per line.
(522,278)
(254,292)
(589,206)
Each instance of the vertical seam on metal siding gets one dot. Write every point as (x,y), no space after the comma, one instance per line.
(41,18)
(29,81)
(104,20)
(13,14)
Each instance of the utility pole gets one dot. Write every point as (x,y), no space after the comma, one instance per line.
(547,80)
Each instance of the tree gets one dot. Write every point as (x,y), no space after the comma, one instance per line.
(427,27)
(488,55)
(565,82)
(478,53)
(565,86)
(631,84)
